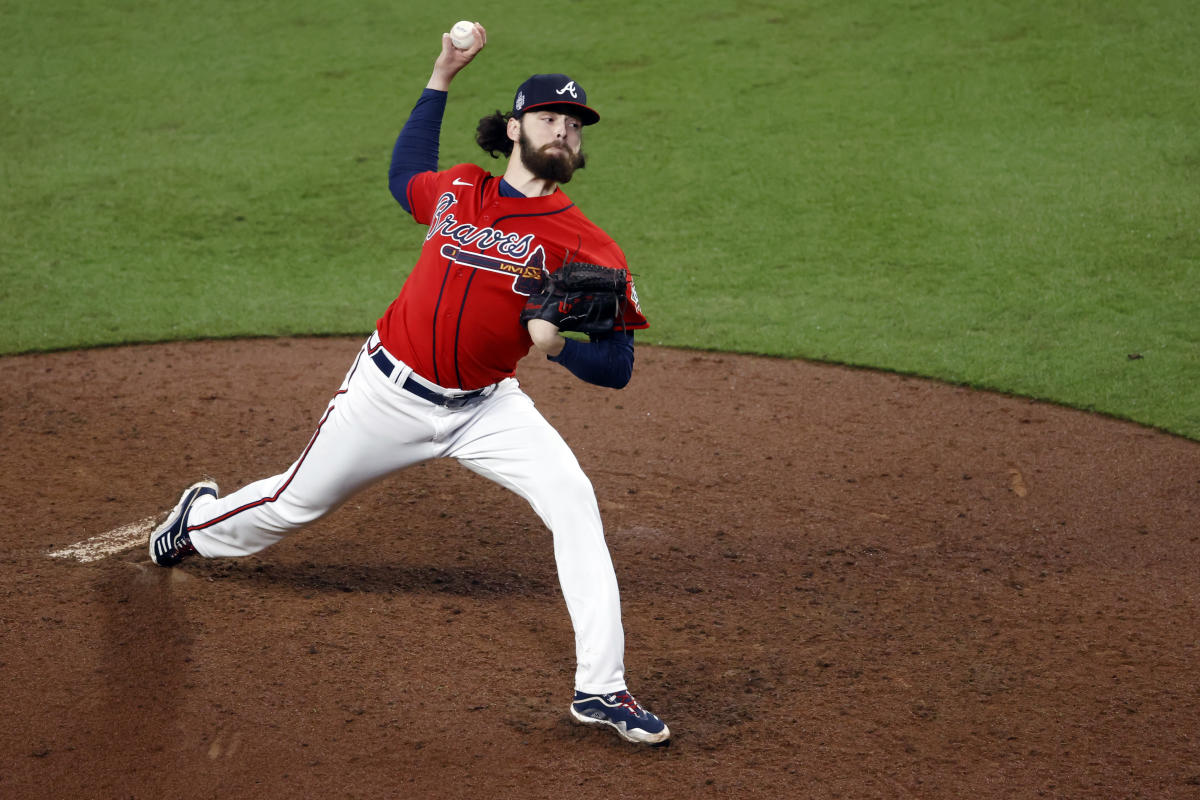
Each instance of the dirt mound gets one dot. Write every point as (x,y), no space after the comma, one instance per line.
(835,583)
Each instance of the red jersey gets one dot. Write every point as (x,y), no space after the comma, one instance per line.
(457,319)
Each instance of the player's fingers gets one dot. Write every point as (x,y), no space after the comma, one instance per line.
(477,45)
(453,59)
(465,56)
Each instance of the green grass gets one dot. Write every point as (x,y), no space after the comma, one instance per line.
(1002,194)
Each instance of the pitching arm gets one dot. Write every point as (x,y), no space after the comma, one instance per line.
(416,149)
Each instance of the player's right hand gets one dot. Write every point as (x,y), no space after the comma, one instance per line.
(451,60)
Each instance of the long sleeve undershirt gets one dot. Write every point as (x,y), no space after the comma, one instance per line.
(605,360)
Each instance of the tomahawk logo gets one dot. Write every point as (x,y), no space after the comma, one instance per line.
(527,276)
(568,89)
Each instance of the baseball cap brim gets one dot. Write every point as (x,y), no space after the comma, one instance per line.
(587,115)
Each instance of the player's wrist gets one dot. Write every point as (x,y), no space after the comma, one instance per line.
(554,348)
(439,81)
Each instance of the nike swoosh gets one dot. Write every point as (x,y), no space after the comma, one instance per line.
(461,182)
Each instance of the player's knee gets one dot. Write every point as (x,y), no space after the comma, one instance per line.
(291,515)
(567,475)
(572,486)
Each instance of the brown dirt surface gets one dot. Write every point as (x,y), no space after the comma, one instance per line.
(836,583)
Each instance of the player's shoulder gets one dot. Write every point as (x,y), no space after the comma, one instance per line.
(596,239)
(456,178)
(582,223)
(465,173)
(429,191)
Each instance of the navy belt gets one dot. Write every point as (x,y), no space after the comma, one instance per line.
(451,401)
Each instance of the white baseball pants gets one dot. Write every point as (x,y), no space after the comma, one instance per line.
(373,428)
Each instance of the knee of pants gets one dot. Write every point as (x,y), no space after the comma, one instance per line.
(571,486)
(288,515)
(568,504)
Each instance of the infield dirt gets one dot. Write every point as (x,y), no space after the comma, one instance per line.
(835,582)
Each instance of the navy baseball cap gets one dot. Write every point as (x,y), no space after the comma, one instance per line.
(554,90)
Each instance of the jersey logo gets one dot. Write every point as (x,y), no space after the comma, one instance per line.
(461,182)
(568,89)
(510,245)
(527,277)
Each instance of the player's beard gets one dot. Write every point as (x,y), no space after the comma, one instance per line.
(553,162)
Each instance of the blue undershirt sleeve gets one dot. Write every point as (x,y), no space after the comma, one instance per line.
(416,149)
(603,361)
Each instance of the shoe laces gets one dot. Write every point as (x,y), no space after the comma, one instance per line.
(183,542)
(626,700)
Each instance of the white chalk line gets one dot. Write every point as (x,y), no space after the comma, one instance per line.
(115,541)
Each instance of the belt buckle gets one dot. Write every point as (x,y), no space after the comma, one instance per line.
(460,401)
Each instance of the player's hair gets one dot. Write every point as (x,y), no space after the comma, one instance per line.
(492,134)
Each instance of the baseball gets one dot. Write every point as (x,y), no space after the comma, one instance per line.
(462,35)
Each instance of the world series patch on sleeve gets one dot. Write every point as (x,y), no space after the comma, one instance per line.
(579,296)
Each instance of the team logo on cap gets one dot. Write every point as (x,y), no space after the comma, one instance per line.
(520,102)
(568,89)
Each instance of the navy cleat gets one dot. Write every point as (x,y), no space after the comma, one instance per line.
(620,711)
(170,544)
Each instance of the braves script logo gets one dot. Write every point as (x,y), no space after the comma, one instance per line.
(518,257)
(483,239)
(568,89)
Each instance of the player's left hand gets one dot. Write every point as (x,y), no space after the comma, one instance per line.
(579,297)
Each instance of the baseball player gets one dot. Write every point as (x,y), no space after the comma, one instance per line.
(436,378)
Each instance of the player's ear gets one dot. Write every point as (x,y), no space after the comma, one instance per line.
(514,129)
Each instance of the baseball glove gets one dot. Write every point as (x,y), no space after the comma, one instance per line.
(579,296)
